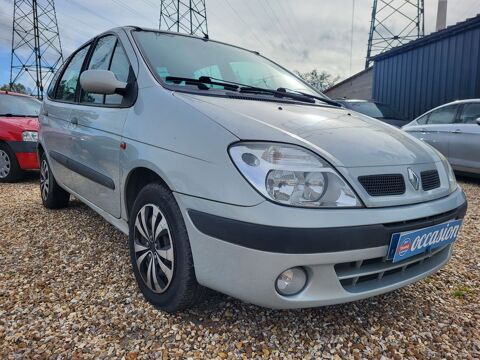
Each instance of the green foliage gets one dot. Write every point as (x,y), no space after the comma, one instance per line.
(462,291)
(319,80)
(16,87)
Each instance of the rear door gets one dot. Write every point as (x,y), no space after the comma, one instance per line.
(438,128)
(465,140)
(98,122)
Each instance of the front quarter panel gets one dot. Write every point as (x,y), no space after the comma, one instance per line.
(183,146)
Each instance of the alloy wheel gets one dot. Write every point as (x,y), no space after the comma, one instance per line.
(153,248)
(44,179)
(5,165)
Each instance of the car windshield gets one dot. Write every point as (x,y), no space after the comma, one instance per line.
(14,105)
(375,110)
(171,55)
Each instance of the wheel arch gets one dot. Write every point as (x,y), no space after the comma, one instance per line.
(136,180)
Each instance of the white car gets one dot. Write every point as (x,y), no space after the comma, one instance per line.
(228,172)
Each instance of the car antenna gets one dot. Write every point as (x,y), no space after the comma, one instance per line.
(205,36)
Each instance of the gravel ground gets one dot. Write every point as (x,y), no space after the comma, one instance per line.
(67,291)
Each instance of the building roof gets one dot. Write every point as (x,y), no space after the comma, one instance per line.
(451,30)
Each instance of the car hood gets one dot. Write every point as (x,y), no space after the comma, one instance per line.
(22,123)
(343,137)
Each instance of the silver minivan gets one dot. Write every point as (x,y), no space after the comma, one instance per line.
(228,172)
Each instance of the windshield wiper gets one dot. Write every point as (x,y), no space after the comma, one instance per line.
(325,100)
(202,82)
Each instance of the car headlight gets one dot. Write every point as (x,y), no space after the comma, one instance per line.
(30,136)
(291,175)
(452,180)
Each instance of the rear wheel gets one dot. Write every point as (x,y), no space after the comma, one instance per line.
(160,251)
(53,196)
(10,170)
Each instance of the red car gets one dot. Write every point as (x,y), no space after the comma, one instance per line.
(18,135)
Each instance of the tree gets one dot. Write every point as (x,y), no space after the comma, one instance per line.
(16,87)
(319,80)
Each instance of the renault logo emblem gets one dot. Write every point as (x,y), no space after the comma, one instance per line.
(414,180)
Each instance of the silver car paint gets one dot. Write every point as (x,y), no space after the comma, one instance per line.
(460,143)
(184,139)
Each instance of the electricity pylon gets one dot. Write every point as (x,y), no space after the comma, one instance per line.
(394,23)
(187,16)
(36,46)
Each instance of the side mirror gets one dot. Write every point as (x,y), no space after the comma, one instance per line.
(101,82)
(478,121)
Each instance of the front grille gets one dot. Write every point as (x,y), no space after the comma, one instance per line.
(383,185)
(371,274)
(430,180)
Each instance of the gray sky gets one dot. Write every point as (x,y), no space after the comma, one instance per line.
(301,35)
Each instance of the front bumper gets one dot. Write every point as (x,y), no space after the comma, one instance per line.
(342,251)
(26,154)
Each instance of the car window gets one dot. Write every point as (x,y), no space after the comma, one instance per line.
(444,115)
(470,113)
(68,83)
(120,66)
(422,120)
(53,83)
(15,105)
(100,60)
(375,110)
(171,55)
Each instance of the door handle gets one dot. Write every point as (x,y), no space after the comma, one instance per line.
(74,121)
(457,131)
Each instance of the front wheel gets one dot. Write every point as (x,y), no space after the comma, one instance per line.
(10,170)
(53,196)
(160,251)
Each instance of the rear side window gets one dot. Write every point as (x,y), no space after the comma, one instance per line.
(470,113)
(68,83)
(100,60)
(445,115)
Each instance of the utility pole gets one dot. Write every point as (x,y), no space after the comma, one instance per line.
(185,16)
(36,46)
(394,23)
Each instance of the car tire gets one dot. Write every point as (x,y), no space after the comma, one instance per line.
(53,196)
(10,170)
(160,251)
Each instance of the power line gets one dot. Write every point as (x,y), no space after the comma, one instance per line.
(243,21)
(276,21)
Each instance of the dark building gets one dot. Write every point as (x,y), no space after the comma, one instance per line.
(441,67)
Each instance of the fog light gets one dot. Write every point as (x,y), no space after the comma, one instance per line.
(291,281)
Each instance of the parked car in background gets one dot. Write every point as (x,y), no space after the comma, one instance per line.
(18,135)
(228,172)
(454,130)
(376,110)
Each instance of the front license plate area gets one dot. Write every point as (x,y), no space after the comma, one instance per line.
(411,243)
